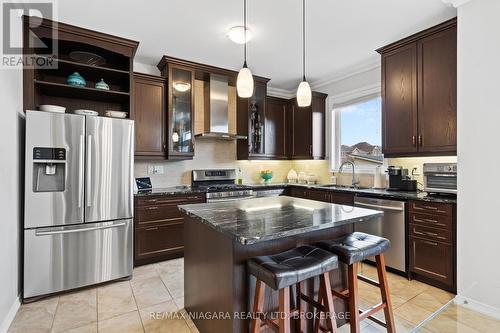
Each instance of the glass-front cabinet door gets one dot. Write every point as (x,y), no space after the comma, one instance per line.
(181,106)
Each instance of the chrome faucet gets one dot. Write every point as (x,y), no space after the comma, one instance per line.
(355,182)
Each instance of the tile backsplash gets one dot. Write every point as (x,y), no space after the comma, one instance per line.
(222,154)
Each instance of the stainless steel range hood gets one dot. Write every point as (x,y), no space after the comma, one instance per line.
(216,110)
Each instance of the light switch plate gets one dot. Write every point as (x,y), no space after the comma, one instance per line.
(155,169)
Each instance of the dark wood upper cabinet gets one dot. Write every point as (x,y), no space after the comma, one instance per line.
(276,122)
(399,100)
(149,115)
(419,93)
(308,129)
(437,98)
(251,116)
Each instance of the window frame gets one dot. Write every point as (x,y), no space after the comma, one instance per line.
(335,134)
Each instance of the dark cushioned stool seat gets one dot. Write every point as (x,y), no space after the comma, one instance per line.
(290,267)
(355,247)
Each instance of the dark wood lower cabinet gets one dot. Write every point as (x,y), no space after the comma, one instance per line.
(340,198)
(432,243)
(432,259)
(159,241)
(159,227)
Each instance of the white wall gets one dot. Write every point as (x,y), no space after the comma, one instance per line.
(145,68)
(10,191)
(478,123)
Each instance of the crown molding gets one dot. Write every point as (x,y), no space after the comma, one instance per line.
(281,93)
(318,84)
(346,73)
(456,3)
(348,97)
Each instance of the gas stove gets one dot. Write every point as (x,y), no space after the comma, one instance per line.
(219,185)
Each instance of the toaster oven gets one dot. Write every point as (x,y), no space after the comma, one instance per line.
(440,178)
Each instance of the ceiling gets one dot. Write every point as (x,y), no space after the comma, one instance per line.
(341,34)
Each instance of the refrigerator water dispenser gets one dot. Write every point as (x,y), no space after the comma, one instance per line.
(49,169)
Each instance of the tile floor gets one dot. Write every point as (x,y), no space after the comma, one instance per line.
(129,306)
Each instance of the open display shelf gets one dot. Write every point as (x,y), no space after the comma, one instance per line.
(48,85)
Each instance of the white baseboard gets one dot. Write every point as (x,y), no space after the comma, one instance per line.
(4,326)
(478,306)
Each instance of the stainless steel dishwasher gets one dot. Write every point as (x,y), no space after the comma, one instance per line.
(390,226)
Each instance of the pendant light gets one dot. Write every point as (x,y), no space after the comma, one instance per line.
(304,94)
(244,82)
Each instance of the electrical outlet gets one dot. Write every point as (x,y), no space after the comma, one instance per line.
(155,169)
(417,170)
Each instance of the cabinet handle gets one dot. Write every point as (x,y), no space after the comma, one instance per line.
(427,221)
(310,150)
(414,140)
(152,208)
(431,243)
(420,140)
(151,229)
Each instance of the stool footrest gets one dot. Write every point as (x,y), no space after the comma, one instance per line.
(368,280)
(367,313)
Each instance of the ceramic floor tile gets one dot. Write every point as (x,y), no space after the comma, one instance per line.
(443,324)
(402,325)
(171,266)
(90,328)
(174,283)
(471,318)
(128,322)
(115,299)
(149,291)
(432,299)
(75,310)
(412,313)
(164,317)
(35,317)
(144,272)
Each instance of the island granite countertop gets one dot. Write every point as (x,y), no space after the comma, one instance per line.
(262,219)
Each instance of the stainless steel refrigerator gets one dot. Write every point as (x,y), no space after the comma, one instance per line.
(78,201)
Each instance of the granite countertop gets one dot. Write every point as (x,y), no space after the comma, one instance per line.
(262,219)
(183,189)
(420,195)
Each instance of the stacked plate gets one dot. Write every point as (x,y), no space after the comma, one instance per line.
(84,112)
(115,114)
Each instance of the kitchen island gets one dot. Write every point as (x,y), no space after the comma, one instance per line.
(220,237)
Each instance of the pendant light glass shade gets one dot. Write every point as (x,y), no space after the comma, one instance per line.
(244,82)
(304,94)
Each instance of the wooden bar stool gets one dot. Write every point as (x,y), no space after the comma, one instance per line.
(351,250)
(283,270)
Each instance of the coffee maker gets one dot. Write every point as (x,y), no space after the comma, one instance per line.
(399,179)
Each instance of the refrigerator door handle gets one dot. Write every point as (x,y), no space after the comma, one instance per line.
(80,171)
(68,231)
(89,171)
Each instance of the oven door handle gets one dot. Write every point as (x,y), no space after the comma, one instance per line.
(393,209)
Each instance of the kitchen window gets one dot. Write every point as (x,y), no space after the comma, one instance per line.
(357,135)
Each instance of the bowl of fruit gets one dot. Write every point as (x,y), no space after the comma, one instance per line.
(266,175)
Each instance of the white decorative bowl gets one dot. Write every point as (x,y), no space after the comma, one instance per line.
(52,108)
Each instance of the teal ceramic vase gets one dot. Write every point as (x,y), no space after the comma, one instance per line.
(102,85)
(76,79)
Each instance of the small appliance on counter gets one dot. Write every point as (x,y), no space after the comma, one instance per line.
(143,184)
(399,180)
(440,178)
(292,176)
